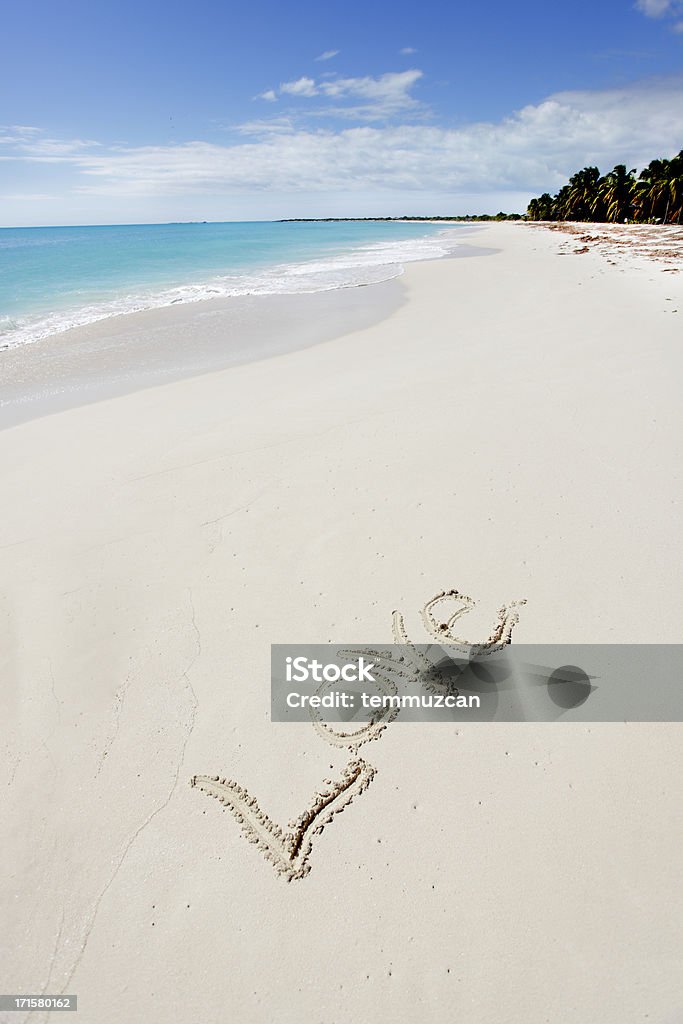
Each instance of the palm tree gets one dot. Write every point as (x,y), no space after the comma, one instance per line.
(617,193)
(676,187)
(546,206)
(542,208)
(582,194)
(656,196)
(671,189)
(651,190)
(662,189)
(561,208)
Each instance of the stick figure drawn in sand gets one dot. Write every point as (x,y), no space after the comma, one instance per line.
(289,851)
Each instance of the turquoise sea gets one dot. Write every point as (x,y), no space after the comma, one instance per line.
(55,278)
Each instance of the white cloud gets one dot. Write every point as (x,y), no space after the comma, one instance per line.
(407,50)
(373,99)
(265,126)
(269,95)
(30,197)
(391,89)
(662,9)
(301,87)
(654,8)
(531,150)
(327,55)
(35,144)
(22,130)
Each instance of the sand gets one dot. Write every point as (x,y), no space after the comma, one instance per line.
(127,353)
(513,430)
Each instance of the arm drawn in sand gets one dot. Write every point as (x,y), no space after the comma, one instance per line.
(442,629)
(289,852)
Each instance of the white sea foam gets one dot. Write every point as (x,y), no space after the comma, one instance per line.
(369,264)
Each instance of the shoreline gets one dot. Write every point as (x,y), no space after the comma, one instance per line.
(294,265)
(512,430)
(133,351)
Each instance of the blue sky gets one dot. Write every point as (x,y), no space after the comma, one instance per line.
(161,111)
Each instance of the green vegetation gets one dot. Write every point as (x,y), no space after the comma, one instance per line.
(483,216)
(461,217)
(654,197)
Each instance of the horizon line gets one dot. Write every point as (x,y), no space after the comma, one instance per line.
(267,220)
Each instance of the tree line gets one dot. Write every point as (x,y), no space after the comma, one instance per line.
(654,197)
(407,217)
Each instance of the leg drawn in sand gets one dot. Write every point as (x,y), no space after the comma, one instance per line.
(289,851)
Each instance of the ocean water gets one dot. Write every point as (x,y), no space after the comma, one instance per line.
(55,278)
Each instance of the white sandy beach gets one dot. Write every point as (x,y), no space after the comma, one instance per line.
(513,430)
